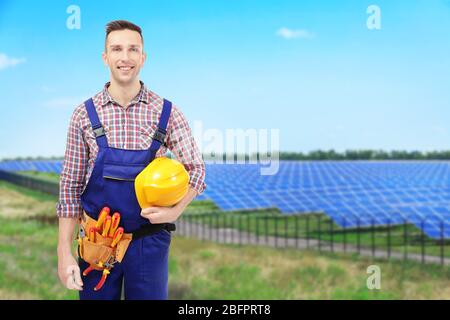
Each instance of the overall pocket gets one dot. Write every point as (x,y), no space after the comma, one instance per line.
(121,172)
(119,194)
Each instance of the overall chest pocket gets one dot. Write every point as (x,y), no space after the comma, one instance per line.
(118,193)
(121,172)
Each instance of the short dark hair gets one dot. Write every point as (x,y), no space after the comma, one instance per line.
(122,25)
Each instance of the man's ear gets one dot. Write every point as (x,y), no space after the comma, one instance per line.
(104,58)
(144,57)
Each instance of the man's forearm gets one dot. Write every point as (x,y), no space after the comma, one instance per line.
(190,195)
(66,231)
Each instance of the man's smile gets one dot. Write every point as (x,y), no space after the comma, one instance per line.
(125,68)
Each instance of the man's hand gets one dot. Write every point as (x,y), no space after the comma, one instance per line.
(69,272)
(168,214)
(161,214)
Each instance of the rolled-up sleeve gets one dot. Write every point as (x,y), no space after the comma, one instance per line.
(73,170)
(182,145)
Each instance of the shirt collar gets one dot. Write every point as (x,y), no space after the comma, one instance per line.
(142,96)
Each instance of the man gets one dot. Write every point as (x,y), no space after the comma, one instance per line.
(121,123)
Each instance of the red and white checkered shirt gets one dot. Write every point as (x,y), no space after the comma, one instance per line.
(126,128)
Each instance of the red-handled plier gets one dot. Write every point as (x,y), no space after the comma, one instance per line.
(102,280)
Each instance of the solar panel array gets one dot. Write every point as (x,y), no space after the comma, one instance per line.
(25,165)
(352,193)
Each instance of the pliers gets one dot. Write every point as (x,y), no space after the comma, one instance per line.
(81,235)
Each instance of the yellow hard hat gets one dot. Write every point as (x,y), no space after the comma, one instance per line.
(164,182)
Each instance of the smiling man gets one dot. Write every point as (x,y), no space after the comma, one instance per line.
(123,127)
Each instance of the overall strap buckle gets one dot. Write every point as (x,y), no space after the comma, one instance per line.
(99,131)
(97,127)
(160,135)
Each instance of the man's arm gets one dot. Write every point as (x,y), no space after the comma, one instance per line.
(181,206)
(183,146)
(69,206)
(169,214)
(65,235)
(74,169)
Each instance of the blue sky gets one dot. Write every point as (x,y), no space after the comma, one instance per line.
(336,85)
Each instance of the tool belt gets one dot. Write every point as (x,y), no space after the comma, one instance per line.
(99,254)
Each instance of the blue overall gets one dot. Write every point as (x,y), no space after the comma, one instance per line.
(144,268)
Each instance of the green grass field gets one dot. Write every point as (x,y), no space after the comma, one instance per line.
(205,270)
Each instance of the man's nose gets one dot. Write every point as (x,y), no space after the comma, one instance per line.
(124,55)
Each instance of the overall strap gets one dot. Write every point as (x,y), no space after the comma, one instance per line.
(160,134)
(96,124)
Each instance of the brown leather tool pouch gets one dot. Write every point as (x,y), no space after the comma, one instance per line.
(100,250)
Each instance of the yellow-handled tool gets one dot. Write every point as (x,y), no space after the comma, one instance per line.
(106,226)
(117,236)
(101,217)
(114,224)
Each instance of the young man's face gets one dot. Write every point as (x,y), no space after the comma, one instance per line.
(124,55)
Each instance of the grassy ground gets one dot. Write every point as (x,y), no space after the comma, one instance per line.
(20,202)
(205,270)
(28,261)
(210,271)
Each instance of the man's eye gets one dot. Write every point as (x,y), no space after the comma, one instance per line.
(116,49)
(134,49)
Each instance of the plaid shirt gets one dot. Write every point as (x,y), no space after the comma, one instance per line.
(126,128)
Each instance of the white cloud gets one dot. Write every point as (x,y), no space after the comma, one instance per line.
(6,61)
(63,102)
(295,34)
